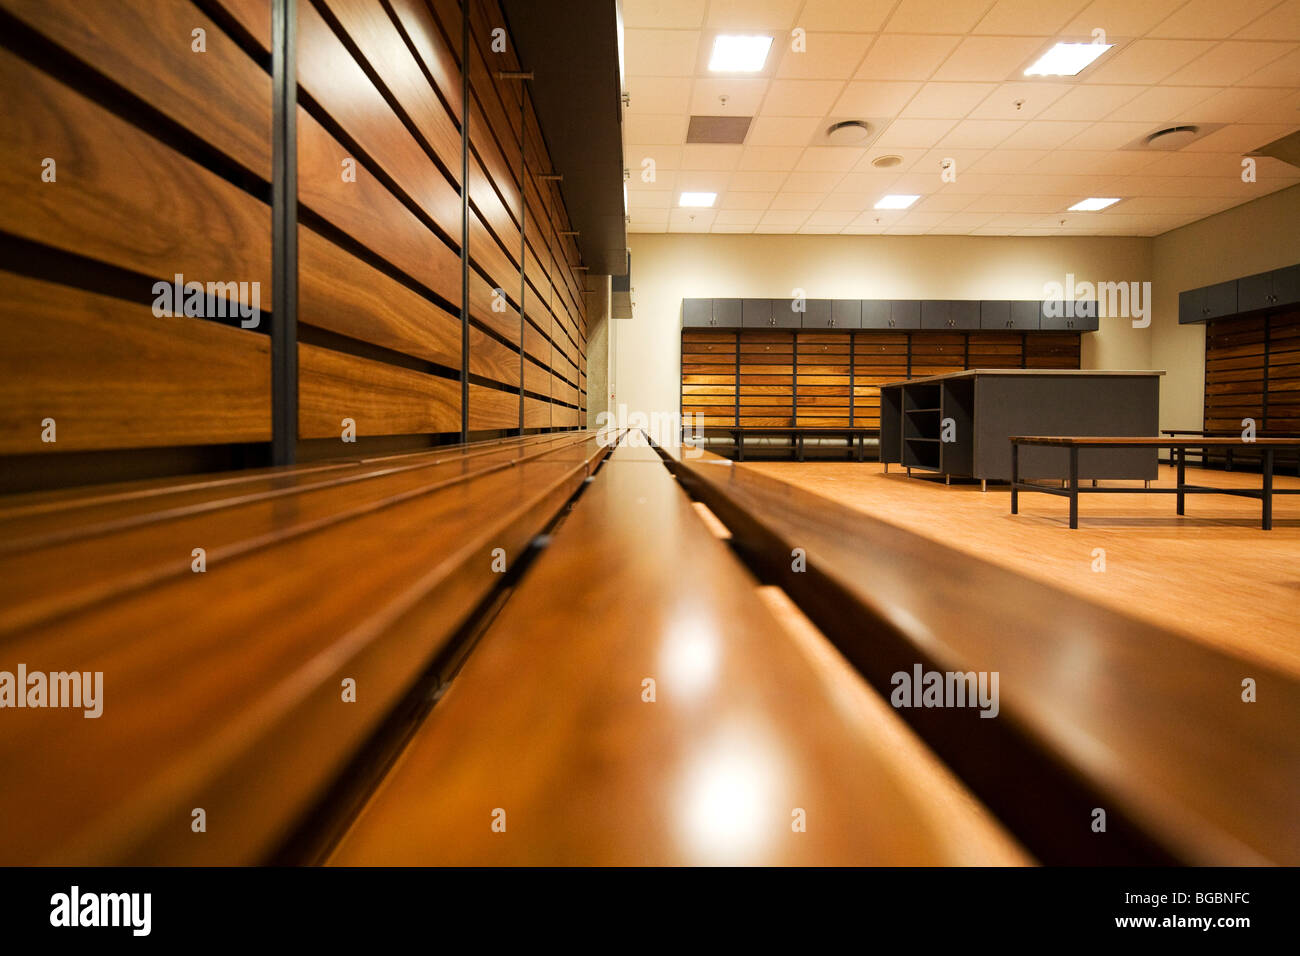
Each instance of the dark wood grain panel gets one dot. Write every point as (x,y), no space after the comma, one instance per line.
(491,408)
(370,214)
(341,293)
(220,95)
(381,399)
(121,196)
(112,375)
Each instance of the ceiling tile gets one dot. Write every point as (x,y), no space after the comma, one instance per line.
(665,159)
(1027,17)
(690,220)
(894,57)
(811,182)
(672,14)
(743,96)
(828,56)
(1007,160)
(649,198)
(1280,23)
(908,157)
(979,134)
(1242,104)
(801,97)
(759,200)
(1240,139)
(1211,19)
(1090,102)
(1229,62)
(1121,18)
(867,184)
(946,100)
(945,202)
(661,52)
(737,217)
(988,58)
(1161,104)
(1043,134)
(710,157)
(851,203)
(669,130)
(658,95)
(832,217)
(758,181)
(804,202)
(782,130)
(1145,61)
(845,16)
(936,16)
(1020,101)
(1085,162)
(752,14)
(726,228)
(781,158)
(1281,72)
(783,217)
(883,99)
(1108,135)
(829,159)
(702,181)
(923,134)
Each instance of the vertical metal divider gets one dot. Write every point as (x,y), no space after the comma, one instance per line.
(284,233)
(523,240)
(464,221)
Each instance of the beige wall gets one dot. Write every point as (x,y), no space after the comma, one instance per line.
(668,268)
(1254,237)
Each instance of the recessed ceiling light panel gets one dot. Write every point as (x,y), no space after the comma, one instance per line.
(697,199)
(895,201)
(739,54)
(1067,59)
(1092,204)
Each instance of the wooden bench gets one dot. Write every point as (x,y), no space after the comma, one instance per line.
(1267,447)
(1230,452)
(547,732)
(1098,710)
(224,690)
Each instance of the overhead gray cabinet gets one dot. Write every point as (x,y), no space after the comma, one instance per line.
(819,314)
(756,313)
(949,314)
(1253,292)
(905,313)
(1069,316)
(1286,285)
(784,316)
(1027,315)
(875,313)
(1208,302)
(995,314)
(1268,290)
(846,313)
(726,313)
(697,313)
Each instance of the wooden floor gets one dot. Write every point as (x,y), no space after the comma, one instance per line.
(1213,575)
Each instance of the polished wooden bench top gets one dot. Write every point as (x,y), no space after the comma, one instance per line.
(1098,710)
(1134,441)
(546,722)
(222,690)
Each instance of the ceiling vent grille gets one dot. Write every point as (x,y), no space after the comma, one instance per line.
(718,130)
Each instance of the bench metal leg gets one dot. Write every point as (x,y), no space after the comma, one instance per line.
(798,442)
(1015,478)
(1180,463)
(1074,487)
(740,446)
(886,467)
(1268,489)
(984,484)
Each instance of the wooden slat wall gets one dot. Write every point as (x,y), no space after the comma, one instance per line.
(767,378)
(807,377)
(1252,370)
(163,160)
(878,357)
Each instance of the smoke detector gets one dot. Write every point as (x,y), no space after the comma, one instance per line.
(848,133)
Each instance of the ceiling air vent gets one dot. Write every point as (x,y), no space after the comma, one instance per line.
(1287,149)
(848,133)
(1172,137)
(729,130)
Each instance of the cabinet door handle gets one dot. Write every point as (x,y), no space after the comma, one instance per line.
(1011,324)
(1069,324)
(891,323)
(832,322)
